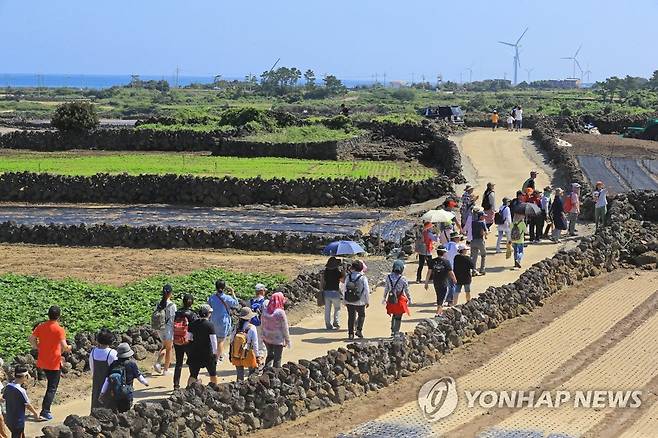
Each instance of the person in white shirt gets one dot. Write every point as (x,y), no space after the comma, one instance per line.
(518,117)
(356,309)
(601,204)
(504,227)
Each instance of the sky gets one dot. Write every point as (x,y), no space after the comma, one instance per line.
(353,39)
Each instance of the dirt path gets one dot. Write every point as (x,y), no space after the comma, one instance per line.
(499,157)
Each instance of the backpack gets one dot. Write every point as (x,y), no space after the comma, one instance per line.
(159,318)
(392,294)
(419,245)
(485,201)
(567,203)
(499,219)
(352,292)
(516,231)
(181,329)
(118,386)
(256,306)
(240,353)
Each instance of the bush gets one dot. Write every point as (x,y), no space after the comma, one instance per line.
(75,116)
(337,122)
(404,94)
(247,116)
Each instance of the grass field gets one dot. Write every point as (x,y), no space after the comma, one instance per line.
(67,163)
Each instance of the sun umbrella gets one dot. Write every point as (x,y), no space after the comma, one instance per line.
(438,216)
(343,247)
(528,209)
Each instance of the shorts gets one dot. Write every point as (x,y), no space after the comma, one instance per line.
(210,365)
(167,333)
(458,288)
(441,290)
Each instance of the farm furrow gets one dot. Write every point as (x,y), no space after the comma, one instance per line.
(596,170)
(633,173)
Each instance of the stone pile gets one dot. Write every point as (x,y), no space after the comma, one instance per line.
(218,192)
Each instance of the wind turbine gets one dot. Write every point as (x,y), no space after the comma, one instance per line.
(529,70)
(587,73)
(470,74)
(517,60)
(574,58)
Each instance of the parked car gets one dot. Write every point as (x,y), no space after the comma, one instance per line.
(451,114)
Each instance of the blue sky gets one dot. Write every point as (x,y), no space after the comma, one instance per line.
(350,38)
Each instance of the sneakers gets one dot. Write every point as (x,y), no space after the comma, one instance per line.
(336,326)
(157,367)
(359,335)
(46,416)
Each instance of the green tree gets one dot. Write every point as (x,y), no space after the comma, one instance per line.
(309,77)
(75,116)
(653,82)
(334,86)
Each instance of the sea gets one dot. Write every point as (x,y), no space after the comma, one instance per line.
(106,81)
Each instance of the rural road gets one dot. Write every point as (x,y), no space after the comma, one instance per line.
(502,157)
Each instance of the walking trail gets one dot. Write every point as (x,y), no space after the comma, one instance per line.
(501,157)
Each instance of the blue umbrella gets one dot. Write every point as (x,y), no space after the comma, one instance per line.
(342,247)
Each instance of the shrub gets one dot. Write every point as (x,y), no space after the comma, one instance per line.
(337,122)
(404,94)
(247,116)
(75,116)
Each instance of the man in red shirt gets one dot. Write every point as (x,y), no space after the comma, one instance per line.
(49,338)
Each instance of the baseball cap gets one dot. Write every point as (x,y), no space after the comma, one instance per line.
(260,286)
(205,310)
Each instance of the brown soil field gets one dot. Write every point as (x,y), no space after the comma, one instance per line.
(611,146)
(118,266)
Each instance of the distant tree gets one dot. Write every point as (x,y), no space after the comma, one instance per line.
(75,116)
(403,94)
(653,82)
(309,77)
(334,86)
(280,81)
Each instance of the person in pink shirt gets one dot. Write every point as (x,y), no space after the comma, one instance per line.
(276,333)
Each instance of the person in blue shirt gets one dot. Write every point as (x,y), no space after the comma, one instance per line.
(16,401)
(221,304)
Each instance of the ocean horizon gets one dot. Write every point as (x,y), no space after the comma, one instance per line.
(97,81)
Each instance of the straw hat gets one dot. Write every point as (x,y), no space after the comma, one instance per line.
(246,313)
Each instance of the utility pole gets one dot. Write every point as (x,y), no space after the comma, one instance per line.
(177,73)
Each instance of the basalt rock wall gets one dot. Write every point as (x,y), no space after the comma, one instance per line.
(280,395)
(218,192)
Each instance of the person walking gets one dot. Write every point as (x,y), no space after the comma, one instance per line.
(182,321)
(425,248)
(16,402)
(244,345)
(162,320)
(557,213)
(49,339)
(530,182)
(397,296)
(276,332)
(101,358)
(468,202)
(221,304)
(545,206)
(518,238)
(600,196)
(3,426)
(452,249)
(117,390)
(535,223)
(463,268)
(478,246)
(510,123)
(203,350)
(489,204)
(518,118)
(442,275)
(503,223)
(494,120)
(357,299)
(573,208)
(332,276)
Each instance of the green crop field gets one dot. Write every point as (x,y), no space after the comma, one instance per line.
(69,163)
(24,301)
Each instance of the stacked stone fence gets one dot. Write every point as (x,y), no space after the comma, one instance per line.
(321,150)
(218,192)
(121,139)
(280,395)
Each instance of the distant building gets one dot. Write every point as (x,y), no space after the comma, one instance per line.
(397,84)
